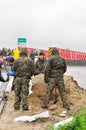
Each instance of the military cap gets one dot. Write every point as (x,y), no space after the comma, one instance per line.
(41,52)
(23,53)
(55,51)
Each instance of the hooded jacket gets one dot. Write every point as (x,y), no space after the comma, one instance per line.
(56,65)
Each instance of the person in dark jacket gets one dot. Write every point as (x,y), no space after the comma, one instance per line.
(2,79)
(23,69)
(32,55)
(40,63)
(54,71)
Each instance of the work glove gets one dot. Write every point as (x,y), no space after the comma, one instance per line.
(11,73)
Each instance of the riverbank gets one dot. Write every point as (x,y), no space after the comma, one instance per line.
(75,94)
(78,73)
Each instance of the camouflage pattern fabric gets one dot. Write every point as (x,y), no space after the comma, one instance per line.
(40,66)
(21,92)
(54,70)
(55,67)
(23,69)
(32,56)
(59,83)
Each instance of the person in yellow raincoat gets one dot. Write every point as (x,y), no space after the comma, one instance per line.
(16,53)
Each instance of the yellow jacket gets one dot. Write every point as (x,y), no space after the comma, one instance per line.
(16,53)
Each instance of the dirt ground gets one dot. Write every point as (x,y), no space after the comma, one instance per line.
(76,97)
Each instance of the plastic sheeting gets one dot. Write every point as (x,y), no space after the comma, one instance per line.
(33,117)
(56,125)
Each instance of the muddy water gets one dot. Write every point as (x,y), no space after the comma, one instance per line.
(78,73)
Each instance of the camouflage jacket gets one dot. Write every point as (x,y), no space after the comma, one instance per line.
(56,66)
(23,67)
(40,66)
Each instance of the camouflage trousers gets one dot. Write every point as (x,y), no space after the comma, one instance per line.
(21,92)
(59,82)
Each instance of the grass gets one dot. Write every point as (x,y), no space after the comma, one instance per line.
(78,122)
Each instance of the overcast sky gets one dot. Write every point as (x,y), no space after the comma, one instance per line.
(44,23)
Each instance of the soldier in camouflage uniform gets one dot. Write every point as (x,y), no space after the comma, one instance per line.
(55,68)
(32,55)
(40,63)
(23,69)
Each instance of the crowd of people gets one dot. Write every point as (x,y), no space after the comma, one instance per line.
(24,67)
(6,51)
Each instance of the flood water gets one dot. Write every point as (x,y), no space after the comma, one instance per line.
(78,73)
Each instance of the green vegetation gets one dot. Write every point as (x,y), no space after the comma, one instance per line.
(52,126)
(78,122)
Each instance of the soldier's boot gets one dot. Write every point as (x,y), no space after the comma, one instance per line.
(25,108)
(66,105)
(16,107)
(44,106)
